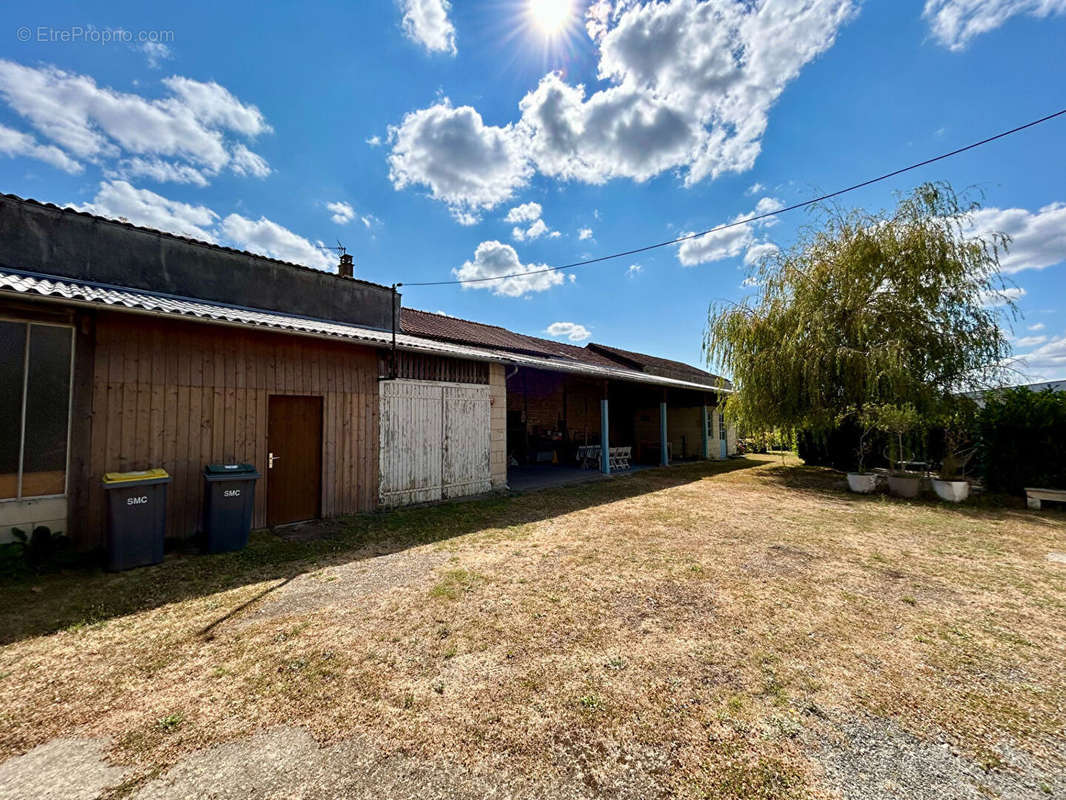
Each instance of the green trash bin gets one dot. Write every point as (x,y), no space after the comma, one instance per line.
(229,498)
(136,517)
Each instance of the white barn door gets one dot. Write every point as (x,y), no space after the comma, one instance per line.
(434,441)
(411,442)
(466,440)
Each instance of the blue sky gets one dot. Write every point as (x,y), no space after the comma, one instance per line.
(475,138)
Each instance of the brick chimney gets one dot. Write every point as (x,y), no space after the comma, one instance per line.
(347,266)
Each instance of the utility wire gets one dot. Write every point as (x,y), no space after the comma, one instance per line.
(753,218)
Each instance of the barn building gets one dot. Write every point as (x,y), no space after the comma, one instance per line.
(124,348)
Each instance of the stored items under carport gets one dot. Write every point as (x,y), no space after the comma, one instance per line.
(229,497)
(136,517)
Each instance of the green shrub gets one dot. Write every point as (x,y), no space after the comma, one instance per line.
(37,550)
(1021,438)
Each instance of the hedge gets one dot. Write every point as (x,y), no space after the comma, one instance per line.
(1022,439)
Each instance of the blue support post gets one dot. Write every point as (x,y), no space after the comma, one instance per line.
(605,455)
(705,418)
(664,454)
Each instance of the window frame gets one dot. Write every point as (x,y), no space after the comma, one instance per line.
(29,323)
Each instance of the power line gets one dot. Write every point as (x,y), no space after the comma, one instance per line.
(753,218)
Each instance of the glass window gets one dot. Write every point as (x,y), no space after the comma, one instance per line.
(33,430)
(721,427)
(44,454)
(12,369)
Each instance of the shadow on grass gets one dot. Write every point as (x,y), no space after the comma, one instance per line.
(57,601)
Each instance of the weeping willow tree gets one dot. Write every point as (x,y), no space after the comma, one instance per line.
(900,307)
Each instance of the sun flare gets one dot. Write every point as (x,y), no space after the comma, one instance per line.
(550,16)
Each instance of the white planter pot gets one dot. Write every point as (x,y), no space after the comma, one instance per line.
(952,491)
(862,482)
(904,485)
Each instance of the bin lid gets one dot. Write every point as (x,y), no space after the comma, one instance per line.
(137,475)
(228,469)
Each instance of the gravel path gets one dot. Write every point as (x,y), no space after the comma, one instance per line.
(62,769)
(876,760)
(343,583)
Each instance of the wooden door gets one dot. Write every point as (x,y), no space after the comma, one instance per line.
(411,442)
(294,462)
(466,441)
(434,441)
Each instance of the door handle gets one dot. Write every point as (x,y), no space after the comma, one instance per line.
(271,458)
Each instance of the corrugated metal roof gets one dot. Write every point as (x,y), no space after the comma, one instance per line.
(117,297)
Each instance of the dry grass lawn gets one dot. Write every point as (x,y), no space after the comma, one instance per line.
(703,631)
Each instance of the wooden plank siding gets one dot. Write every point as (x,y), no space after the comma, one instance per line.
(179,395)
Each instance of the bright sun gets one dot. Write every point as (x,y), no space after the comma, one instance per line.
(551,16)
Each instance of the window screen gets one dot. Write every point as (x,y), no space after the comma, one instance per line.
(44,459)
(34,359)
(12,363)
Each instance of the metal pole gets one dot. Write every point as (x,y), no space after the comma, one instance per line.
(664,453)
(392,358)
(605,455)
(705,418)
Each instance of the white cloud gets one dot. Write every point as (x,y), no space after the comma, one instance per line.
(1030,341)
(462,161)
(755,188)
(492,259)
(690,88)
(156,53)
(634,270)
(1000,297)
(464,218)
(342,213)
(527,212)
(955,22)
(1047,362)
(1037,327)
(117,199)
(584,233)
(245,162)
(374,141)
(758,252)
(426,22)
(1037,240)
(16,143)
(597,18)
(213,105)
(693,84)
(535,231)
(120,200)
(768,205)
(570,330)
(716,245)
(192,128)
(268,238)
(731,242)
(158,170)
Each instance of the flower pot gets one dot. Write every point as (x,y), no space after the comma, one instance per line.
(952,491)
(862,482)
(904,485)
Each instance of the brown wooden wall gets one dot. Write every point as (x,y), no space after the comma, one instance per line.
(427,367)
(179,395)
